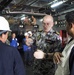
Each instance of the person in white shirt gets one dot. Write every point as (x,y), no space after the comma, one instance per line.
(66,62)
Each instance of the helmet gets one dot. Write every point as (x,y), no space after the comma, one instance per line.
(4,25)
(29,32)
(26,34)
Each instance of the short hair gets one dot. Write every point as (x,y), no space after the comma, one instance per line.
(70,17)
(13,33)
(2,32)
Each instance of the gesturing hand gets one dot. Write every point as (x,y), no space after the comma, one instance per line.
(39,54)
(57,57)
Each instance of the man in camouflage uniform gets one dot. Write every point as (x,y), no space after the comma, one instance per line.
(48,42)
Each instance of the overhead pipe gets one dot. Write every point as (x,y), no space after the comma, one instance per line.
(28,13)
(60,13)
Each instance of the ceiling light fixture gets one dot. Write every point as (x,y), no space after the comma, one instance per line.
(57,4)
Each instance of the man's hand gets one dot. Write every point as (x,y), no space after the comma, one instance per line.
(39,54)
(57,57)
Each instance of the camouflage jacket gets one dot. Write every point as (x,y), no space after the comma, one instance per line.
(49,43)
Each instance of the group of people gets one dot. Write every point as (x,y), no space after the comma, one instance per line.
(27,46)
(49,58)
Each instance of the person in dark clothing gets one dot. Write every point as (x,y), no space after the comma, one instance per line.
(10,59)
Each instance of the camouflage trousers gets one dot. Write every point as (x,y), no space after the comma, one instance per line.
(43,67)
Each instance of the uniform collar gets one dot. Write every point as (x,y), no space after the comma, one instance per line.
(51,31)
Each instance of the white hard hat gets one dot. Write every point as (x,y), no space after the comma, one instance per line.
(29,32)
(4,25)
(26,34)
